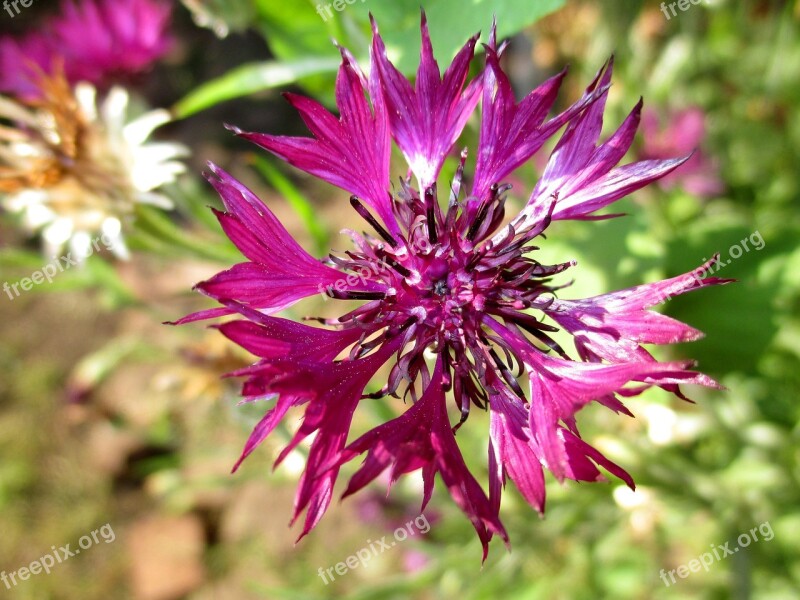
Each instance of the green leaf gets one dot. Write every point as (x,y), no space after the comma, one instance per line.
(13,258)
(295,29)
(451,23)
(94,273)
(249,79)
(157,232)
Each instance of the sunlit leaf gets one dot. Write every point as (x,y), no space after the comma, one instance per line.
(249,79)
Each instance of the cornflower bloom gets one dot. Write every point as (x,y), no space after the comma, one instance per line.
(684,132)
(72,167)
(96,41)
(454,300)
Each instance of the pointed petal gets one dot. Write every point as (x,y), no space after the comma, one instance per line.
(424,432)
(580,460)
(262,287)
(281,272)
(333,396)
(352,152)
(576,161)
(616,184)
(512,134)
(559,388)
(266,426)
(427,119)
(516,450)
(604,323)
(272,338)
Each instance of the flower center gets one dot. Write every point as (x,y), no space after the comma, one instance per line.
(446,282)
(440,287)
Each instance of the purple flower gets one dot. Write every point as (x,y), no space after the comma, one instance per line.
(455,303)
(97,41)
(683,134)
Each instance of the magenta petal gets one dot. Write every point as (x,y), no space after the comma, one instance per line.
(290,350)
(253,227)
(97,41)
(576,161)
(201,315)
(100,39)
(19,60)
(281,338)
(580,175)
(338,390)
(427,119)
(281,272)
(580,459)
(424,431)
(515,448)
(577,144)
(511,133)
(258,286)
(560,388)
(611,326)
(265,426)
(352,152)
(508,137)
(614,185)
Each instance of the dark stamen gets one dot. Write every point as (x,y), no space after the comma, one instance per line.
(544,338)
(397,266)
(507,374)
(520,318)
(476,224)
(356,295)
(356,203)
(430,204)
(393,263)
(455,191)
(465,404)
(497,191)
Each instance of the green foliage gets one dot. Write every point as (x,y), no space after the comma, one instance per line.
(249,79)
(300,38)
(705,472)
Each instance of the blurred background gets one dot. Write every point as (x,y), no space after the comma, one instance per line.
(109,417)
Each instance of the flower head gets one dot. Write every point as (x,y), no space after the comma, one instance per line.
(683,134)
(72,168)
(455,302)
(97,41)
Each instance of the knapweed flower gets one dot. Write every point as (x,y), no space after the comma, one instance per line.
(97,41)
(683,133)
(455,302)
(72,168)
